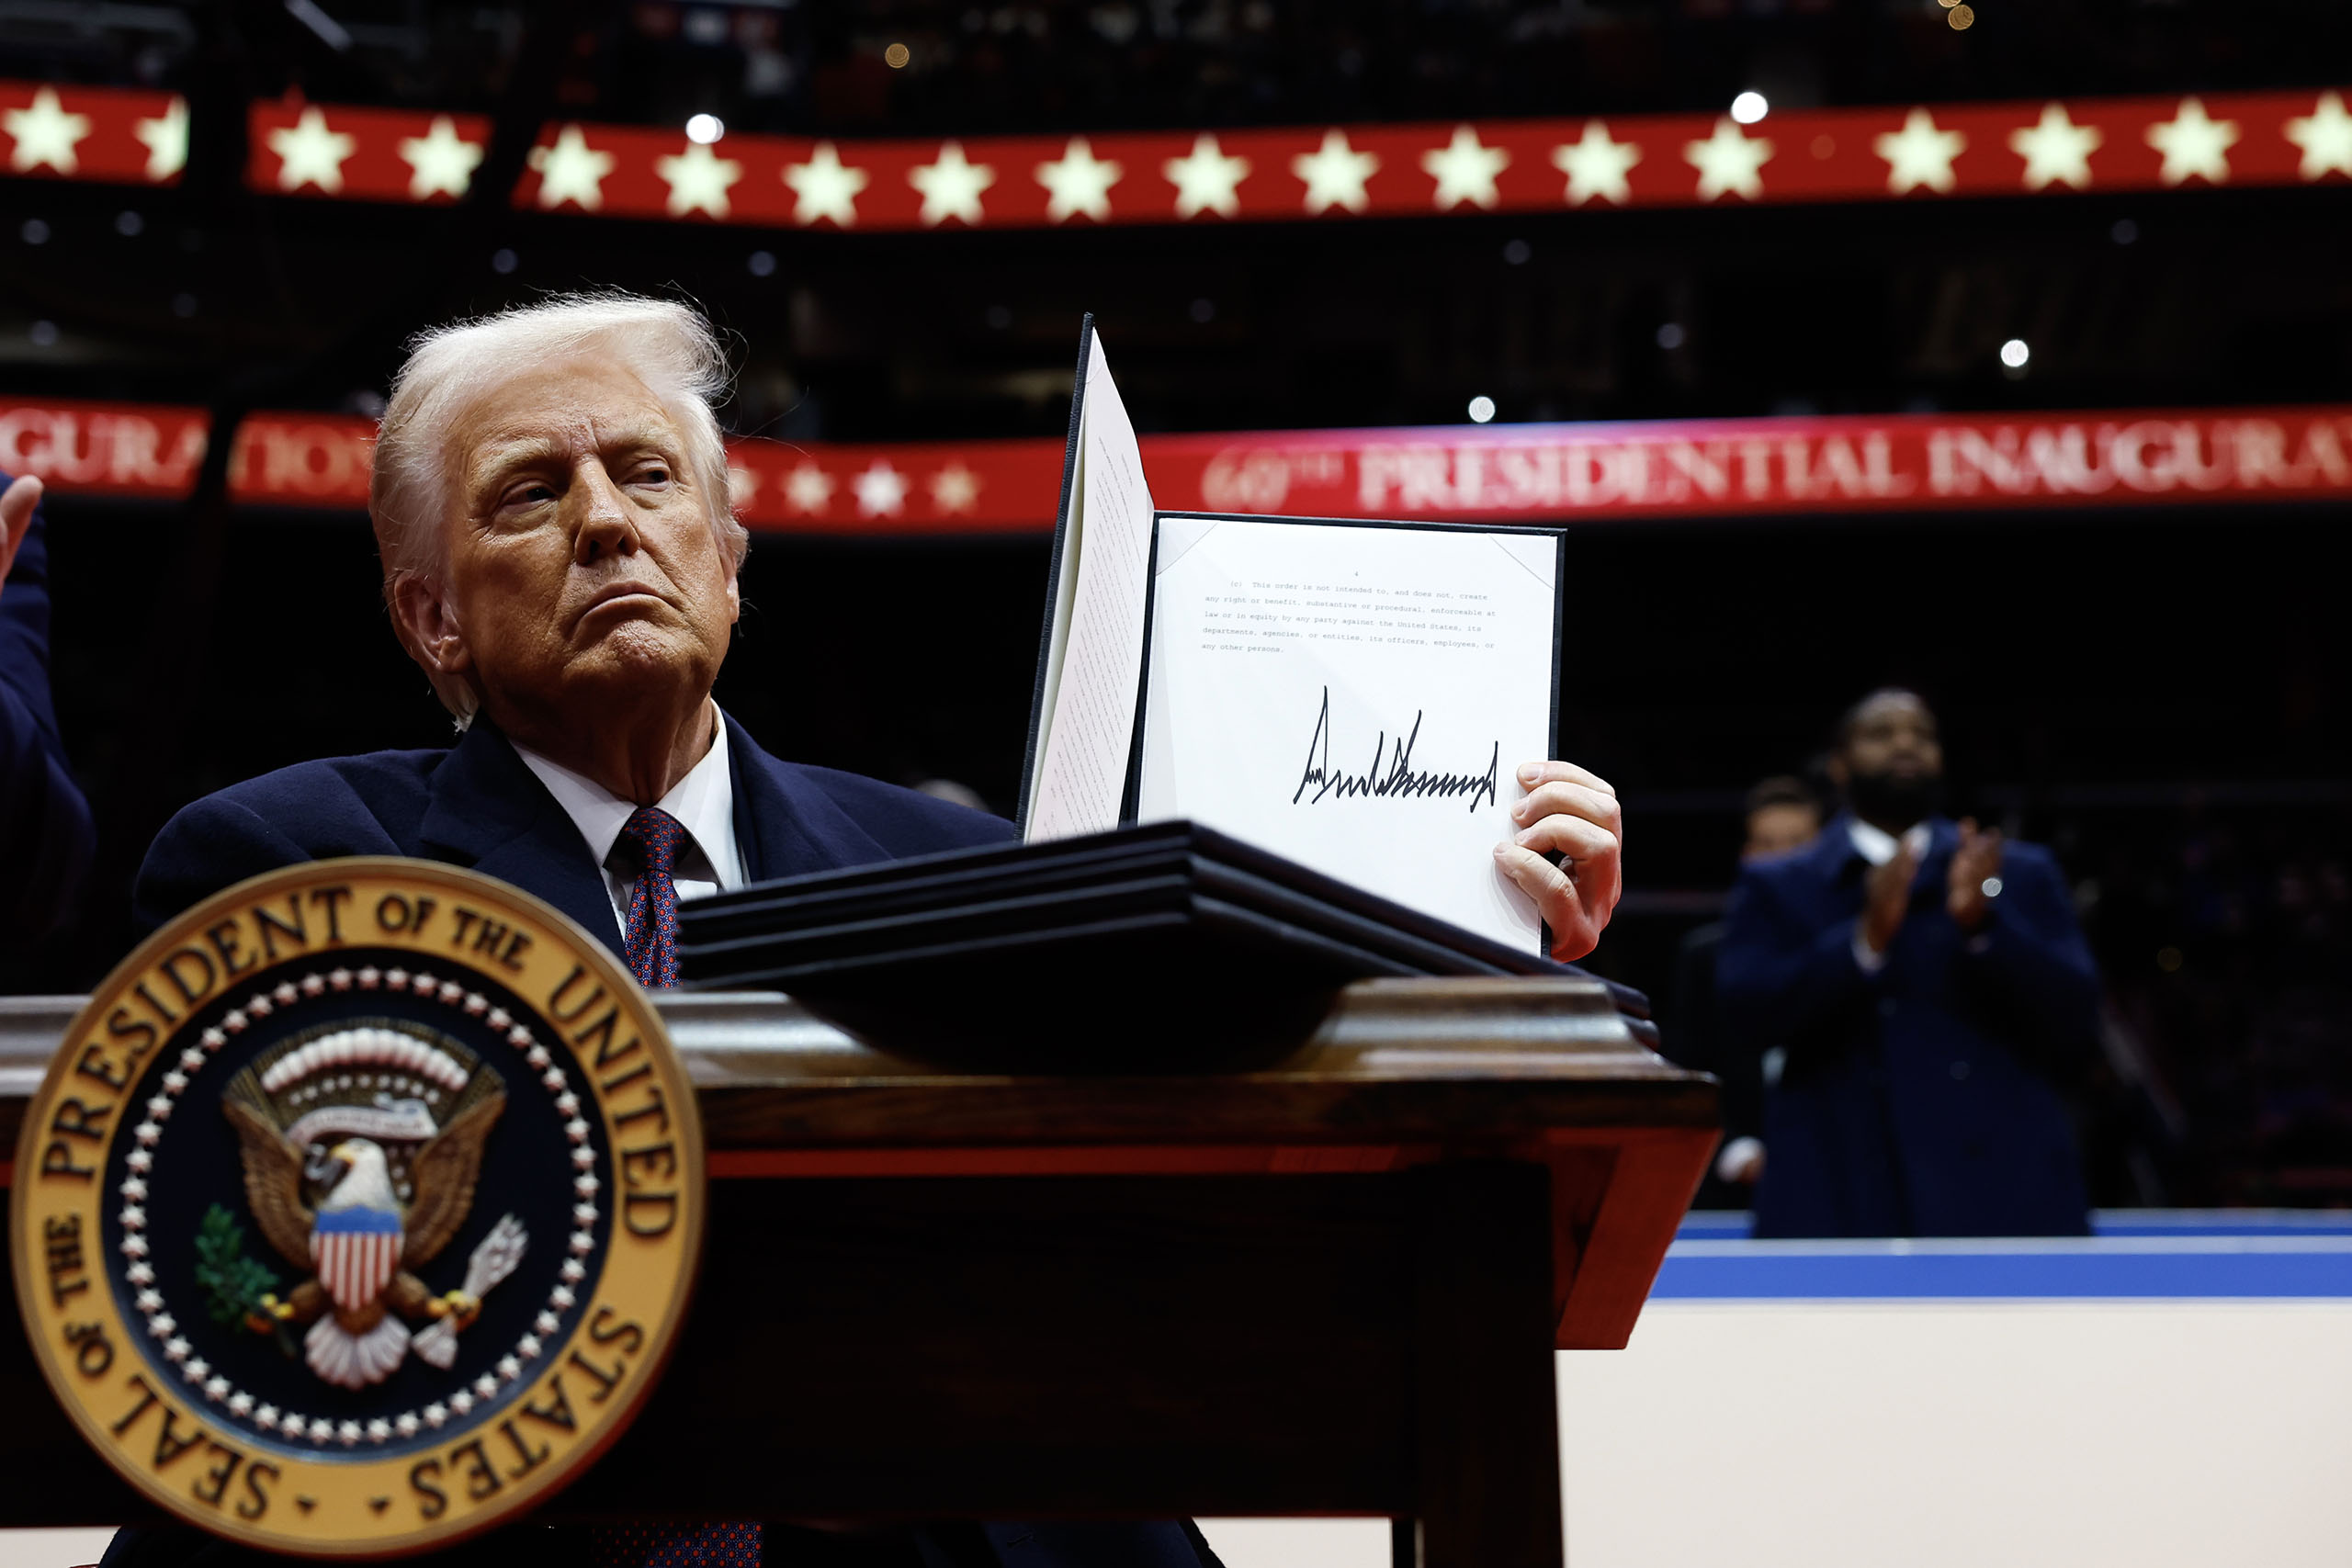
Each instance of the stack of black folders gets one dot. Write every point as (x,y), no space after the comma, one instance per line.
(1144,948)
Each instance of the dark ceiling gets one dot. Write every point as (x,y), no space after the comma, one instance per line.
(973,66)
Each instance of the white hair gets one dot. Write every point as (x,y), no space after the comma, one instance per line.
(412,492)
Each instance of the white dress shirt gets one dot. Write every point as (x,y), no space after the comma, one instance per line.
(1877,845)
(708,860)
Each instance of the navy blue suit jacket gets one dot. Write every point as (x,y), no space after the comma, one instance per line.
(477,804)
(45,834)
(1922,1100)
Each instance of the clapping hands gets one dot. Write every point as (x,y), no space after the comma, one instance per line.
(1975,874)
(1970,885)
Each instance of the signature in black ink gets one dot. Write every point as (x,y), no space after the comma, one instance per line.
(1399,779)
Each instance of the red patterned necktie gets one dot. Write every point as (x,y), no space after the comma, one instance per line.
(651,935)
(651,939)
(676,1546)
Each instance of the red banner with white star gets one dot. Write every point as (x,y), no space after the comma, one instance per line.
(1498,473)
(1299,173)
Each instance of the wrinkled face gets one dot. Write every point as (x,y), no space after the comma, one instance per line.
(1894,737)
(1778,829)
(583,567)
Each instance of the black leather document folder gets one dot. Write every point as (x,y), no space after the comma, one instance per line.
(1168,945)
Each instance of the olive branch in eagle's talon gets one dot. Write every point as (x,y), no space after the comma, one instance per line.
(238,1289)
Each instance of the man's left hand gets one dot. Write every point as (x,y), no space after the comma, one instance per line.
(1574,813)
(1975,875)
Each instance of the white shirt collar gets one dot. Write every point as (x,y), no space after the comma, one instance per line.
(702,802)
(1877,845)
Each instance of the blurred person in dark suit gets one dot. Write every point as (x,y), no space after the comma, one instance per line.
(1783,814)
(45,833)
(1931,993)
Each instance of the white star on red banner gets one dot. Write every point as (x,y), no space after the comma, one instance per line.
(442,162)
(2195,147)
(1597,166)
(311,153)
(572,171)
(165,137)
(809,487)
(1919,154)
(1335,174)
(1730,162)
(1078,182)
(881,490)
(698,179)
(951,186)
(1206,179)
(825,187)
(2324,137)
(955,488)
(1466,170)
(45,134)
(2056,151)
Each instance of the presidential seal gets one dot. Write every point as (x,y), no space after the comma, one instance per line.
(359,1208)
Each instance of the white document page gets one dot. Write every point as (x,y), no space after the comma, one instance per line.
(1096,663)
(1358,699)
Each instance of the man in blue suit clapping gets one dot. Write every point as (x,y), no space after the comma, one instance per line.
(1925,992)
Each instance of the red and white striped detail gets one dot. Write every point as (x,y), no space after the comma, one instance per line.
(356,1266)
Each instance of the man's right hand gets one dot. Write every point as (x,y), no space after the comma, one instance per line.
(17,503)
(1889,895)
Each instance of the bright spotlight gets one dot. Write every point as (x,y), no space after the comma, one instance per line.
(1482,408)
(705,128)
(2014,353)
(1750,107)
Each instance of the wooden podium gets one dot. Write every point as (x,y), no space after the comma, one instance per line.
(1332,1287)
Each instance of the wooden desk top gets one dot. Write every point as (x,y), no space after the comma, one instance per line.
(1401,1073)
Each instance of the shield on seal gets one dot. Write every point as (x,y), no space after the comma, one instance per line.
(355,1251)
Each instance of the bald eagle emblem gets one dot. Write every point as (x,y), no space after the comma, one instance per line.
(362,1142)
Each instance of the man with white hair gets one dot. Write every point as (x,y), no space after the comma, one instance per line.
(550,499)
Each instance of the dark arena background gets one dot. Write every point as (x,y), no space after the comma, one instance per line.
(1896,371)
(2152,686)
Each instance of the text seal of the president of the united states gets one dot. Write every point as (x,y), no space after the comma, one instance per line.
(359,1208)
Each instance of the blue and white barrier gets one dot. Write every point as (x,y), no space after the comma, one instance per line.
(2174,1391)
